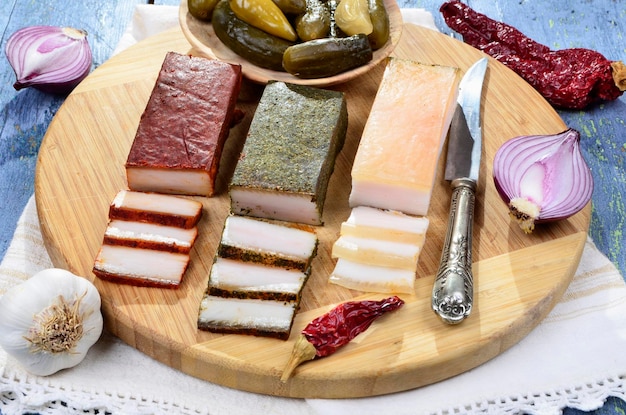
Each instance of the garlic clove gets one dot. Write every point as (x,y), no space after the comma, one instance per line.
(49,322)
(49,58)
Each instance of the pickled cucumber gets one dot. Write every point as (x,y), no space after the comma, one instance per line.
(251,43)
(380,24)
(201,9)
(294,7)
(315,22)
(325,57)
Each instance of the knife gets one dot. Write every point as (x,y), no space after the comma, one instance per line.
(453,290)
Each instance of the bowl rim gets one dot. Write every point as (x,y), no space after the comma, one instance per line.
(205,43)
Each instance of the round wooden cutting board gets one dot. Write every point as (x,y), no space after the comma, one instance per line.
(518,277)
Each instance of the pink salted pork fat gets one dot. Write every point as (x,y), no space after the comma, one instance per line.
(396,161)
(393,177)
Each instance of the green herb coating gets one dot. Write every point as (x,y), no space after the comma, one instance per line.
(218,327)
(293,141)
(266,258)
(224,291)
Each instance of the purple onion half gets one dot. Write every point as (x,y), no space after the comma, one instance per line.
(542,178)
(49,58)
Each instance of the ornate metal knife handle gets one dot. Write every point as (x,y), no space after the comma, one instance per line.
(453,290)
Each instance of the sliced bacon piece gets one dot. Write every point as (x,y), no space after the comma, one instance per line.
(256,240)
(150,236)
(239,279)
(372,278)
(246,316)
(156,208)
(142,267)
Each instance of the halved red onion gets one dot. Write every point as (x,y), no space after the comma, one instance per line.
(49,58)
(542,178)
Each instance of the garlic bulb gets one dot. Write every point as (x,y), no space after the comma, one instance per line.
(50,321)
(49,58)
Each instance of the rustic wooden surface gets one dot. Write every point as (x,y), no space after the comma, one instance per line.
(76,180)
(599,25)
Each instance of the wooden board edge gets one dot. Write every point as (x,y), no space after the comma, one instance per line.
(309,382)
(184,357)
(125,61)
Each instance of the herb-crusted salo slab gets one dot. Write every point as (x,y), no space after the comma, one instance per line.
(256,280)
(289,154)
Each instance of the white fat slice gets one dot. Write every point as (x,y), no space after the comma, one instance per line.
(377,252)
(271,242)
(237,278)
(171,181)
(144,267)
(150,236)
(246,316)
(155,208)
(367,222)
(289,207)
(371,278)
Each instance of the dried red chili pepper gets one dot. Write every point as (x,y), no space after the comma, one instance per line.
(328,332)
(570,78)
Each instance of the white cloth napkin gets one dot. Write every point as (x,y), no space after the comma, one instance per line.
(574,358)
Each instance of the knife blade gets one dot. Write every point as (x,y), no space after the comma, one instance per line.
(453,290)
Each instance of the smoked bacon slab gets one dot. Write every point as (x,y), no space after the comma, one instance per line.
(182,131)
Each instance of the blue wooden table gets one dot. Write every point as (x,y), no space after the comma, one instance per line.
(594,24)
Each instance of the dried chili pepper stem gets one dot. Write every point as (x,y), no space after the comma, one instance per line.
(327,333)
(303,351)
(619,74)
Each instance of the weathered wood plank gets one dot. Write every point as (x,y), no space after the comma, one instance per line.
(598,24)
(25,115)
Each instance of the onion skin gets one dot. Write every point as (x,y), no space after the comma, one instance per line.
(542,178)
(49,58)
